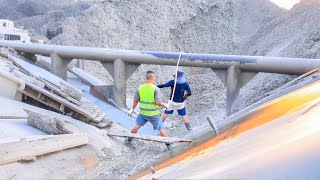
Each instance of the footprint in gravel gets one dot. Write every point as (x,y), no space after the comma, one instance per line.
(89,161)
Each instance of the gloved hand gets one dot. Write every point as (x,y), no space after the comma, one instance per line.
(130,112)
(166,105)
(170,104)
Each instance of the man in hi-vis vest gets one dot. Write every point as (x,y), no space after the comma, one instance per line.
(149,97)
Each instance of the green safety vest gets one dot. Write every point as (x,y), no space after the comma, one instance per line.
(148,105)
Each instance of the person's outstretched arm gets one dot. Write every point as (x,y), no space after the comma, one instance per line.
(168,84)
(157,97)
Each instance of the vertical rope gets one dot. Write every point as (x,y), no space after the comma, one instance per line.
(172,96)
(176,77)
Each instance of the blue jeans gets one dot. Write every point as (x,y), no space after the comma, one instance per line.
(155,121)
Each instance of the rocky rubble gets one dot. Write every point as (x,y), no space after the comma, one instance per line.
(244,27)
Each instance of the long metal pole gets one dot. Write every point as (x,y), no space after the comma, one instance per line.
(215,61)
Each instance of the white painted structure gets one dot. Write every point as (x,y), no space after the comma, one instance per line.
(9,32)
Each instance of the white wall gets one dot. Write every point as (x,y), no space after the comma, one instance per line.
(9,88)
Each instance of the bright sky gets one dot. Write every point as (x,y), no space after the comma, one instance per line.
(285,3)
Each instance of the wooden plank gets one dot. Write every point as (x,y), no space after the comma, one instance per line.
(11,117)
(24,149)
(28,91)
(103,124)
(25,77)
(161,139)
(75,106)
(63,101)
(41,82)
(36,71)
(48,101)
(57,91)
(40,73)
(59,98)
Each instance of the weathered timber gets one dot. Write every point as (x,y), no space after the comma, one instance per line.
(24,149)
(161,139)
(59,100)
(57,91)
(39,73)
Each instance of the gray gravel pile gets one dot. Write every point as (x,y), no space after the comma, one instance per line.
(243,27)
(43,19)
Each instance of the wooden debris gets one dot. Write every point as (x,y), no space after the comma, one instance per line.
(11,117)
(40,73)
(72,92)
(25,149)
(57,91)
(103,124)
(161,139)
(4,55)
(53,92)
(25,77)
(55,101)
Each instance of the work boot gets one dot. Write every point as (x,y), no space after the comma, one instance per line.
(128,142)
(170,146)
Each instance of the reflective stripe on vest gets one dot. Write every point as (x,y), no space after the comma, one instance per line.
(148,105)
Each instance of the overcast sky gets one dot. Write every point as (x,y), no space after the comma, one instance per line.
(285,3)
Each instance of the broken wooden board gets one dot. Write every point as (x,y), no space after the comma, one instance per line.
(25,77)
(57,91)
(36,71)
(168,140)
(39,73)
(25,149)
(11,117)
(105,123)
(74,111)
(55,99)
(56,94)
